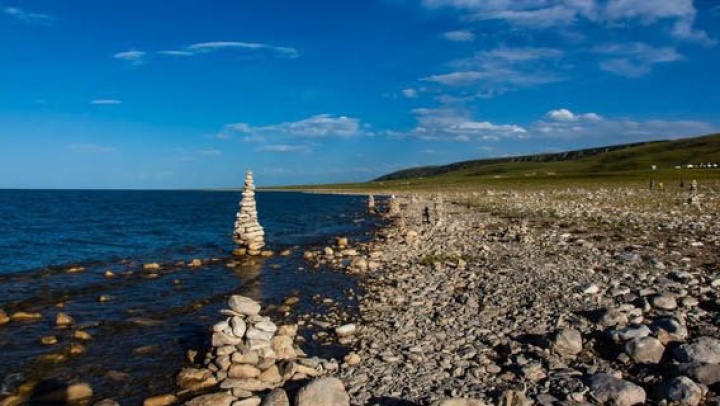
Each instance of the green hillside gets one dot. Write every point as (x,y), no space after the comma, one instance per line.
(612,164)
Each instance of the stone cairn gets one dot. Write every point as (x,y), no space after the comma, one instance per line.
(249,234)
(371,203)
(439,210)
(394,206)
(251,354)
(694,197)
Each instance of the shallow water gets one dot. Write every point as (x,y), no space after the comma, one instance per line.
(141,336)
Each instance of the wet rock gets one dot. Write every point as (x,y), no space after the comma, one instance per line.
(195,263)
(323,392)
(213,399)
(645,350)
(607,388)
(151,267)
(63,320)
(49,340)
(4,318)
(683,391)
(703,349)
(277,397)
(194,379)
(106,402)
(25,316)
(82,335)
(567,342)
(160,400)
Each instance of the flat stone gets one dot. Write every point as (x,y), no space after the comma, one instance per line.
(665,302)
(238,326)
(631,332)
(161,400)
(346,330)
(213,399)
(243,305)
(251,401)
(458,402)
(243,371)
(323,392)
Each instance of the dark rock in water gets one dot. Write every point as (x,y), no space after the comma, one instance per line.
(323,392)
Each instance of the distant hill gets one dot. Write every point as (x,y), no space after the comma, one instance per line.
(611,159)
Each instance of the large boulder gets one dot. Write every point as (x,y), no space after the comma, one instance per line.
(702,349)
(323,392)
(683,391)
(645,350)
(609,389)
(706,374)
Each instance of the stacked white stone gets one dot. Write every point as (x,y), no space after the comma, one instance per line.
(694,197)
(249,234)
(371,203)
(251,354)
(393,206)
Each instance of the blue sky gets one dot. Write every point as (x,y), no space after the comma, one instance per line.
(145,94)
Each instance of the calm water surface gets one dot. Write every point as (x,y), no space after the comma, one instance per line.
(141,336)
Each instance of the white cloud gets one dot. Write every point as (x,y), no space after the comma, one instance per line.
(456,125)
(546,14)
(176,53)
(410,93)
(318,126)
(566,115)
(91,148)
(203,47)
(459,36)
(133,56)
(32,18)
(563,124)
(106,102)
(284,148)
(635,59)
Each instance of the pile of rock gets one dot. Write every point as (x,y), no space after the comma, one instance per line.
(371,203)
(393,206)
(249,234)
(251,354)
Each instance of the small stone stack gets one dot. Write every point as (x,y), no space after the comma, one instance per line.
(393,206)
(251,354)
(371,203)
(439,209)
(694,197)
(249,234)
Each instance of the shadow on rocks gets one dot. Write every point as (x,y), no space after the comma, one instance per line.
(390,401)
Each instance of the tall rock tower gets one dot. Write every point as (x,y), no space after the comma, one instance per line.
(249,234)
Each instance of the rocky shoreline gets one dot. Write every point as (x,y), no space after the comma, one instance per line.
(551,298)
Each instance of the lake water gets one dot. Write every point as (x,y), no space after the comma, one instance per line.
(141,336)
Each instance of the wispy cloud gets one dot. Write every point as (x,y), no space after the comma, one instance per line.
(105,102)
(27,17)
(90,148)
(459,36)
(565,115)
(501,68)
(284,148)
(551,14)
(318,126)
(133,56)
(636,59)
(410,93)
(214,46)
